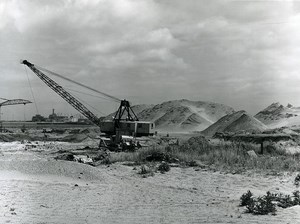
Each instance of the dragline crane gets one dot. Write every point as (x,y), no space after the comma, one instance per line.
(12,102)
(64,94)
(119,125)
(9,103)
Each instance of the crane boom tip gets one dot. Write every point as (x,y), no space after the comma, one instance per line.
(25,62)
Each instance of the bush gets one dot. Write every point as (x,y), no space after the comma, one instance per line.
(285,201)
(246,198)
(297,180)
(265,205)
(164,167)
(192,163)
(155,156)
(296,195)
(145,171)
(106,161)
(261,205)
(224,156)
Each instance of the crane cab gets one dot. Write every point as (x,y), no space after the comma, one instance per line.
(131,128)
(125,122)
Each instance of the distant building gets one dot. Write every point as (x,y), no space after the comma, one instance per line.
(56,118)
(59,118)
(84,121)
(73,119)
(38,118)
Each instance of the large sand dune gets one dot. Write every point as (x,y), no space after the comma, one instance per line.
(235,122)
(181,115)
(276,115)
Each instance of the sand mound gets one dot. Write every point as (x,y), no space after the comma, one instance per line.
(194,120)
(276,115)
(182,115)
(80,137)
(239,121)
(246,122)
(11,137)
(51,168)
(221,124)
(75,138)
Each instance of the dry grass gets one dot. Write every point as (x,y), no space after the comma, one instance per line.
(223,156)
(234,156)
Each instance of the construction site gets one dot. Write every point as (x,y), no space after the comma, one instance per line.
(146,111)
(168,156)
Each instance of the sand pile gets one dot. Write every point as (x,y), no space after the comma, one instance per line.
(246,123)
(11,137)
(52,167)
(79,135)
(276,115)
(239,121)
(182,115)
(282,130)
(75,138)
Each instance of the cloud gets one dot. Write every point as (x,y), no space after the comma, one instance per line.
(149,51)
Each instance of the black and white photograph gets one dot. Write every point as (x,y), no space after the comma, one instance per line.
(149,111)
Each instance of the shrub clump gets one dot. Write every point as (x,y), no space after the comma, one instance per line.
(246,198)
(262,205)
(145,171)
(267,204)
(192,163)
(163,167)
(297,180)
(158,155)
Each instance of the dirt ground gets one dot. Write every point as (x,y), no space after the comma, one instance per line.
(35,188)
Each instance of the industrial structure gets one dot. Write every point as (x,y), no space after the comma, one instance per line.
(125,121)
(8,102)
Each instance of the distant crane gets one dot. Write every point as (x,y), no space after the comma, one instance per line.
(8,102)
(130,125)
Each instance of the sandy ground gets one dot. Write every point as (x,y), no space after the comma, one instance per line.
(34,188)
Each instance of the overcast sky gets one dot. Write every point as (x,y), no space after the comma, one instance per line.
(241,53)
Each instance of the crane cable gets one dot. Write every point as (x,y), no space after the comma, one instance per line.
(37,110)
(114,98)
(85,93)
(88,104)
(80,84)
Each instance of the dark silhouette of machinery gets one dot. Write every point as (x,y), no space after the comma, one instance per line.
(125,121)
(8,102)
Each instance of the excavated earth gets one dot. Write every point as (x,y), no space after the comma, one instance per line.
(36,188)
(239,121)
(276,116)
(181,115)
